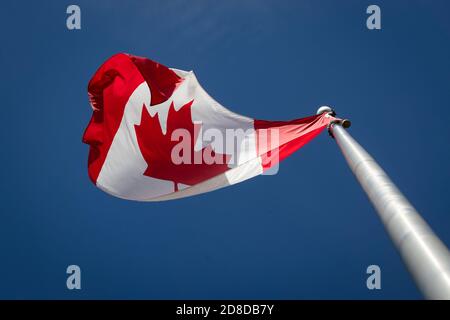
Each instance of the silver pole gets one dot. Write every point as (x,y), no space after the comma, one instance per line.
(424,254)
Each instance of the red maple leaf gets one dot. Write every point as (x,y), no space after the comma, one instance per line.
(156,148)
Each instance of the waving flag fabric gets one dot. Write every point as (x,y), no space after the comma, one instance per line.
(156,134)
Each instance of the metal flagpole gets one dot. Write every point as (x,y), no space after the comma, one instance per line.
(424,254)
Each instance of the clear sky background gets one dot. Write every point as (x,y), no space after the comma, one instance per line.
(306,233)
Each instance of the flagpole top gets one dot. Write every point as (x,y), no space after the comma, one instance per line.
(345,123)
(325,109)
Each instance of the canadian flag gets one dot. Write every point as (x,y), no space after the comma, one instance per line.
(156,134)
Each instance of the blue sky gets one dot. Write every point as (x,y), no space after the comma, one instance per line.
(306,233)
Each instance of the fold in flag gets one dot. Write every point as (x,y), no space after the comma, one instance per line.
(156,134)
